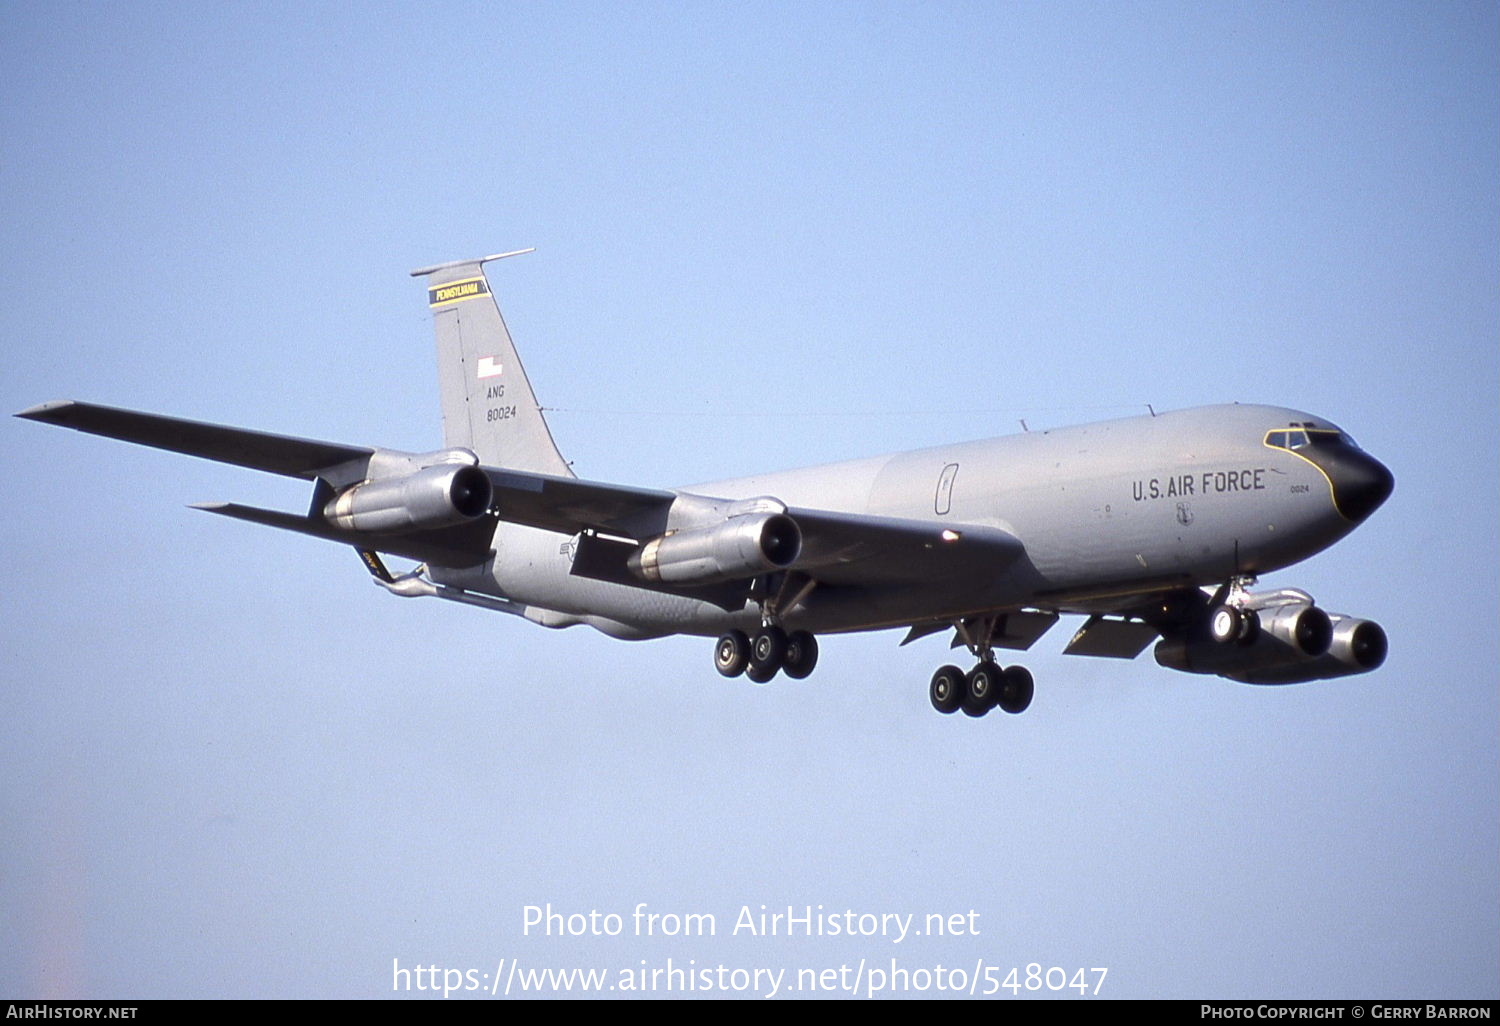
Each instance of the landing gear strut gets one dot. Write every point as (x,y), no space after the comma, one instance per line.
(987,685)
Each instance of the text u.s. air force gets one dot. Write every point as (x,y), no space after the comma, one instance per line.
(1210,482)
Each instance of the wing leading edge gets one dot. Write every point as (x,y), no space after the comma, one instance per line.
(258,450)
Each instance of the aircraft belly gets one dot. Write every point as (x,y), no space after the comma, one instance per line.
(533,567)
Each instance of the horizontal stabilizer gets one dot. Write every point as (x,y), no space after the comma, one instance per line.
(461,546)
(455,264)
(259,450)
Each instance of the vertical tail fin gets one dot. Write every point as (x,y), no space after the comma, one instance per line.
(488,405)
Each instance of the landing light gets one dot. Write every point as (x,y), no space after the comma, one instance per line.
(950,535)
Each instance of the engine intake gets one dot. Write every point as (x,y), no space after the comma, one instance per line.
(1359,643)
(437,496)
(737,548)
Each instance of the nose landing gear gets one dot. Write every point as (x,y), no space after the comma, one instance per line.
(1230,618)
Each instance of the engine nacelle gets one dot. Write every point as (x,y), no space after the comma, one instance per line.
(1290,636)
(1358,646)
(437,496)
(737,548)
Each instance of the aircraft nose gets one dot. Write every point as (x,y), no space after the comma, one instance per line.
(1360,484)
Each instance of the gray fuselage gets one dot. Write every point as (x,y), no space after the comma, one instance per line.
(1106,513)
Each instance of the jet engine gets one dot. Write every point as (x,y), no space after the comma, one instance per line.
(1293,641)
(739,547)
(1291,634)
(1357,646)
(436,496)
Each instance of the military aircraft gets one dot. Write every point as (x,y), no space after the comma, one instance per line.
(1153,527)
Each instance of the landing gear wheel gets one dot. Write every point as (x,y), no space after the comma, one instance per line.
(732,653)
(947,689)
(801,655)
(767,651)
(759,674)
(1224,624)
(1016,689)
(1249,627)
(980,688)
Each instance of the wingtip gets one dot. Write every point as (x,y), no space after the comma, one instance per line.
(43,411)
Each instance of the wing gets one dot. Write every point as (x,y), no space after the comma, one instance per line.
(855,549)
(459,546)
(306,458)
(569,506)
(838,548)
(259,450)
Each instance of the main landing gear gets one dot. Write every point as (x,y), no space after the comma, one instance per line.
(770,651)
(988,685)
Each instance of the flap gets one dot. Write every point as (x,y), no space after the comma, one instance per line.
(1116,639)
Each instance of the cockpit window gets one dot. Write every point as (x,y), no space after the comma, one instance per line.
(1300,438)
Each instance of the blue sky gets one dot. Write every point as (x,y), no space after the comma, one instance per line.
(767,235)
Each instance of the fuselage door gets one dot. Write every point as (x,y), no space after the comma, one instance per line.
(943,501)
